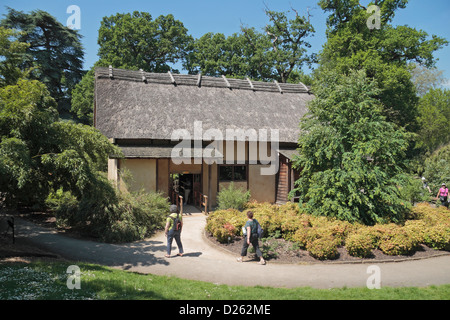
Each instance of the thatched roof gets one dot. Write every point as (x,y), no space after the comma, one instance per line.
(140,105)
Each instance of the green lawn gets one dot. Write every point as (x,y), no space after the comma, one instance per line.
(48,281)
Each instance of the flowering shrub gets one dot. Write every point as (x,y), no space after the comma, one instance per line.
(224,224)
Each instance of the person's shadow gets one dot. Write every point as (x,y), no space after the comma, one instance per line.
(192,254)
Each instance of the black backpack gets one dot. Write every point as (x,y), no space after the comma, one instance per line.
(176,223)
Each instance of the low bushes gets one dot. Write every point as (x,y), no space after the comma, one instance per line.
(232,198)
(110,215)
(322,236)
(323,248)
(360,244)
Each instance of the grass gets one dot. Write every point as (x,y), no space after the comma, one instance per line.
(48,281)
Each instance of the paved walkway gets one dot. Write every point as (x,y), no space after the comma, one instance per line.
(204,262)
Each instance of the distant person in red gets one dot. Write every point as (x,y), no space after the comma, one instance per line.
(443,195)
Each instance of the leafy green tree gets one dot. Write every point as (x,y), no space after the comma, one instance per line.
(136,41)
(26,112)
(384,54)
(12,53)
(217,55)
(54,51)
(83,98)
(273,54)
(133,41)
(351,158)
(434,120)
(39,153)
(437,168)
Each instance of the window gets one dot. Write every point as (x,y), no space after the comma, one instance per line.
(232,173)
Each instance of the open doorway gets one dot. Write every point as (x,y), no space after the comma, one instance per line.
(186,185)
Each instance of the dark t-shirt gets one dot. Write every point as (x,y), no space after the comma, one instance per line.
(253,224)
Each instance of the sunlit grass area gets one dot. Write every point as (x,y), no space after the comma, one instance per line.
(48,281)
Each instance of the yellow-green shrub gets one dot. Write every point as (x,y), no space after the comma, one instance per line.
(360,244)
(398,243)
(438,237)
(416,229)
(303,236)
(324,248)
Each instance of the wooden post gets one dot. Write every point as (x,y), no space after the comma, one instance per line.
(181,205)
(206,205)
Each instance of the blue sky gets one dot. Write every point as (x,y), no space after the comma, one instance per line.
(202,16)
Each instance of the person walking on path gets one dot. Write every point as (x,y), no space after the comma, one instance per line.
(251,236)
(174,225)
(443,195)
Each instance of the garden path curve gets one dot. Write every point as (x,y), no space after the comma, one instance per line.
(205,262)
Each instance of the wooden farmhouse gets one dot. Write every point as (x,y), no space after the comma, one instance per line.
(193,135)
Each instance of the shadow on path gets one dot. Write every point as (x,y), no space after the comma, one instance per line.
(134,254)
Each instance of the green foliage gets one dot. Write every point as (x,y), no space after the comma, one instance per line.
(54,51)
(383,54)
(133,41)
(39,153)
(274,54)
(434,120)
(412,191)
(109,215)
(12,53)
(26,113)
(136,216)
(64,206)
(232,198)
(83,99)
(351,158)
(437,168)
(136,41)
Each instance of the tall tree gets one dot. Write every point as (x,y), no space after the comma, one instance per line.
(133,41)
(434,120)
(351,158)
(55,52)
(272,54)
(136,41)
(39,153)
(383,53)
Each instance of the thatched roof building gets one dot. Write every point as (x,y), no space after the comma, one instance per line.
(140,105)
(140,111)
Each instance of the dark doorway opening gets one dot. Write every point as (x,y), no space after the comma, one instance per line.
(186,185)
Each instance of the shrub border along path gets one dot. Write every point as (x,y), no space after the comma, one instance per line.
(323,237)
(205,263)
(386,259)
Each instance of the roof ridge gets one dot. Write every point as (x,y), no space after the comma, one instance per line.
(193,80)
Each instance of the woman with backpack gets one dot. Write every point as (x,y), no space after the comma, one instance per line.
(174,225)
(251,235)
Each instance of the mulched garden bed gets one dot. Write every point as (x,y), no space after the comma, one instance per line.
(282,251)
